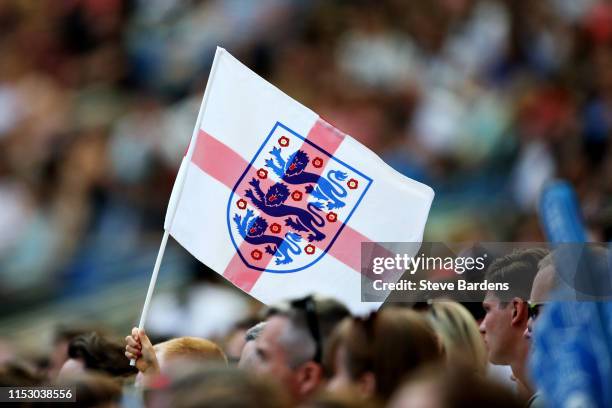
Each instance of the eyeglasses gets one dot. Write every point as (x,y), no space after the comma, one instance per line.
(309,307)
(534,309)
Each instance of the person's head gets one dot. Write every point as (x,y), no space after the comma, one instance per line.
(235,341)
(339,399)
(444,387)
(223,387)
(543,284)
(17,373)
(248,351)
(171,354)
(94,352)
(507,312)
(459,333)
(64,334)
(92,390)
(373,355)
(188,349)
(291,344)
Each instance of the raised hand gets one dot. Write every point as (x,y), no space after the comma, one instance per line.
(139,347)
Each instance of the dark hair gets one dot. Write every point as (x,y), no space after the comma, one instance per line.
(92,390)
(339,399)
(15,373)
(254,332)
(390,344)
(67,332)
(246,323)
(456,387)
(100,353)
(518,270)
(223,387)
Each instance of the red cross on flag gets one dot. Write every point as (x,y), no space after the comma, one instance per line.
(278,201)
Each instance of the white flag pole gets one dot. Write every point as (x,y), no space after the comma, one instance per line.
(176,194)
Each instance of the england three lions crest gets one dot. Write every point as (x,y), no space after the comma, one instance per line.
(291,203)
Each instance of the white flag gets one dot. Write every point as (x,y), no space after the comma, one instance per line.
(278,201)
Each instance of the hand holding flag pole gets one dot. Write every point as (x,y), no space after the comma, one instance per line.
(174,198)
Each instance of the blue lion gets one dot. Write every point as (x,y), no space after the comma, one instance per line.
(292,171)
(273,203)
(252,230)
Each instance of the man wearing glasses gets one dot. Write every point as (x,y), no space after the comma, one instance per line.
(543,284)
(290,346)
(571,315)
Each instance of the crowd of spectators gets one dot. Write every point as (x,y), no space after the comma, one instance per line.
(312,352)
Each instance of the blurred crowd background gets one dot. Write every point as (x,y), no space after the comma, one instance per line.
(483,100)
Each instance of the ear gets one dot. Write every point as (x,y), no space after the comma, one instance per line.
(309,376)
(367,384)
(520,314)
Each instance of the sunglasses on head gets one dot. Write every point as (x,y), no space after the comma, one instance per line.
(309,307)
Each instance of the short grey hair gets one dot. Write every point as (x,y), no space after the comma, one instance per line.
(296,340)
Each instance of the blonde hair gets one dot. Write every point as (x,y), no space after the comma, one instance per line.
(191,348)
(459,334)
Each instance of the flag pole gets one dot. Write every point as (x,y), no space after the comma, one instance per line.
(174,198)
